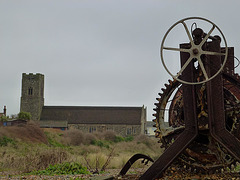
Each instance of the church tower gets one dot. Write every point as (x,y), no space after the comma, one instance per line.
(32,99)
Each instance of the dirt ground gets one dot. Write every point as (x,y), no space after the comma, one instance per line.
(172,173)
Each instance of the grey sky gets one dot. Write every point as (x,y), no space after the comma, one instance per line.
(96,52)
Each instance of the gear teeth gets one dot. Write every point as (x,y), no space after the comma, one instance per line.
(167,85)
(163,89)
(155,109)
(160,94)
(157,131)
(157,135)
(156,104)
(154,120)
(155,115)
(158,99)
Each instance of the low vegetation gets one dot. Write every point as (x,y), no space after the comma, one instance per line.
(62,169)
(29,149)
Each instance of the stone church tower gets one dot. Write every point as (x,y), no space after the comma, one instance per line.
(32,99)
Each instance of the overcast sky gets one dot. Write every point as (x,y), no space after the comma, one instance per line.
(97,52)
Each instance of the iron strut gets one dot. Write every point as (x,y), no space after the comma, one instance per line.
(216,114)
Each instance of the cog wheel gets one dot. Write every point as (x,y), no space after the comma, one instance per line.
(204,154)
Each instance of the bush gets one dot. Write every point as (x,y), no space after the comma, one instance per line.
(52,142)
(63,169)
(74,137)
(4,118)
(123,139)
(30,132)
(4,141)
(24,116)
(100,143)
(109,135)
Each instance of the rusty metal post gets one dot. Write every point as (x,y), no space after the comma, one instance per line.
(191,125)
(216,105)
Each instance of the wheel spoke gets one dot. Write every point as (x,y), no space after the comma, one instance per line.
(177,49)
(206,37)
(203,68)
(184,66)
(188,33)
(213,53)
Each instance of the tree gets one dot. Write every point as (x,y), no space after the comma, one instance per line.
(24,115)
(4,118)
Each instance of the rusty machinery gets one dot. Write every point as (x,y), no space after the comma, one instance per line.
(202,103)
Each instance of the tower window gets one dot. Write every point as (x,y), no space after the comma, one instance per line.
(30,91)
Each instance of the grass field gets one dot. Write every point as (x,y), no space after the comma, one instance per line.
(28,149)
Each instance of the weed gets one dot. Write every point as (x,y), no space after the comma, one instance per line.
(4,141)
(118,139)
(63,169)
(100,143)
(52,141)
(123,139)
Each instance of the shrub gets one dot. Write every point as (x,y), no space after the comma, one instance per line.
(4,118)
(121,139)
(74,137)
(118,139)
(100,143)
(52,141)
(89,138)
(24,115)
(109,135)
(128,138)
(4,141)
(29,132)
(63,169)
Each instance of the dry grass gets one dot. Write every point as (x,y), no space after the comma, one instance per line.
(30,132)
(32,151)
(25,158)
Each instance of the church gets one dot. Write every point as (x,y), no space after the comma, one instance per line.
(122,120)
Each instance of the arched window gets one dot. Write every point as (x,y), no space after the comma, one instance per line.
(30,91)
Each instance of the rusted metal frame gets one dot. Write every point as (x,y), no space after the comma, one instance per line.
(229,66)
(191,126)
(216,106)
(132,160)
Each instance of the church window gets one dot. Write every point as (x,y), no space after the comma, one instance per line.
(129,131)
(92,129)
(134,130)
(30,91)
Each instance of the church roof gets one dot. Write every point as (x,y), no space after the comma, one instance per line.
(92,114)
